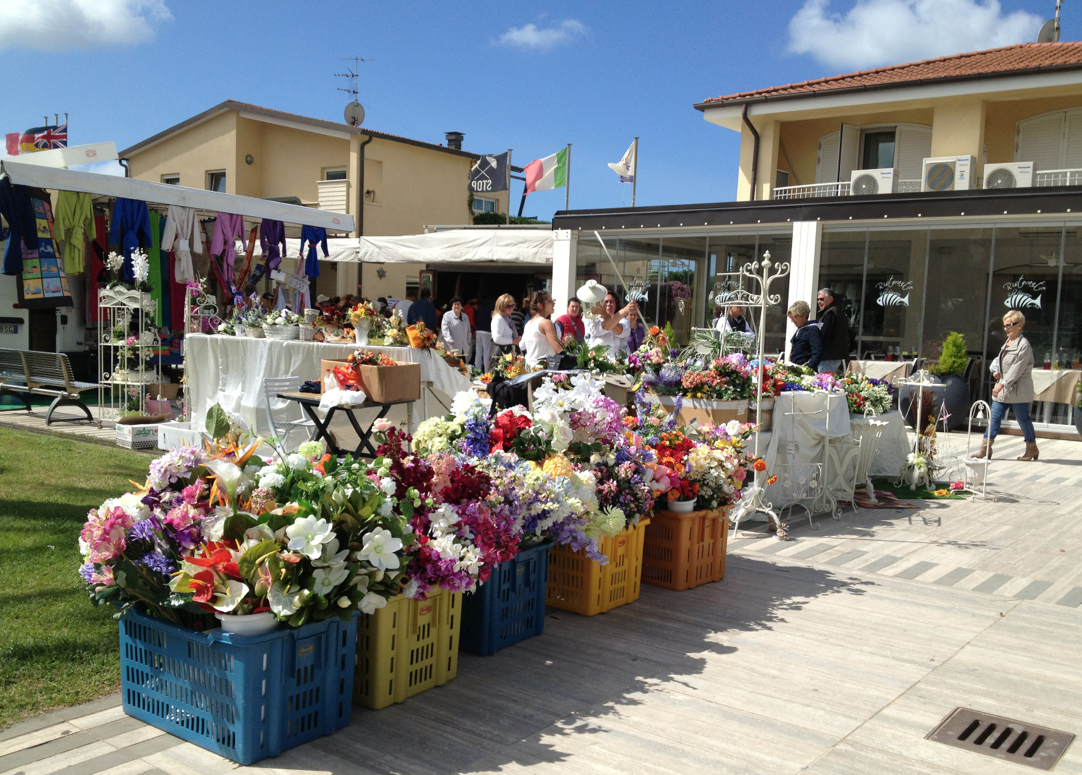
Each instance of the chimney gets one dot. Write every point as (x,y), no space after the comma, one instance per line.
(454,140)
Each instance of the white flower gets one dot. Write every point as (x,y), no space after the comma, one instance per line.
(297,462)
(284,602)
(463,400)
(343,602)
(379,547)
(308,534)
(733,428)
(410,590)
(331,557)
(444,519)
(371,602)
(388,485)
(140,266)
(230,598)
(269,479)
(386,509)
(326,579)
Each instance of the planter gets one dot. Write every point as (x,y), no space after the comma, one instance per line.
(254,332)
(704,412)
(683,551)
(248,624)
(243,697)
(360,332)
(682,507)
(510,606)
(957,400)
(581,585)
(308,332)
(1078,419)
(239,331)
(387,384)
(407,648)
(282,333)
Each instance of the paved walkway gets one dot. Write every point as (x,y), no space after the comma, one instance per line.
(834,653)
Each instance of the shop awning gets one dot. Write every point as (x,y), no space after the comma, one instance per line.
(161,193)
(459,246)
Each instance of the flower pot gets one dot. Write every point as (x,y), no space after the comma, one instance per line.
(308,332)
(1078,419)
(682,507)
(955,396)
(248,624)
(255,332)
(239,331)
(360,332)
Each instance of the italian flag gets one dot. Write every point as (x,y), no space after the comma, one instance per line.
(547,173)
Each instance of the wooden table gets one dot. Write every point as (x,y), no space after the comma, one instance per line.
(309,402)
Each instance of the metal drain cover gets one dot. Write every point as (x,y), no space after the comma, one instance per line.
(1003,738)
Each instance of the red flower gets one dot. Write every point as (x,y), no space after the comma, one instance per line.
(772,479)
(760,465)
(506,427)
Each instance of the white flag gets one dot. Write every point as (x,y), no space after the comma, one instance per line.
(625,168)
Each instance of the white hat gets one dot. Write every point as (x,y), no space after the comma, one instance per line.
(592,292)
(321,298)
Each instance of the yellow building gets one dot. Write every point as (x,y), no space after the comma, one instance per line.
(248,150)
(1015,104)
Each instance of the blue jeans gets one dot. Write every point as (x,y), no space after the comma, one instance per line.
(1021,413)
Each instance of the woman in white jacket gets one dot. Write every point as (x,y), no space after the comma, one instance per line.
(455,329)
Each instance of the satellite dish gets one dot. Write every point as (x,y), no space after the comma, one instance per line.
(1048,32)
(354,114)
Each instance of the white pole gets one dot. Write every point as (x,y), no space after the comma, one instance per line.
(567,180)
(635,179)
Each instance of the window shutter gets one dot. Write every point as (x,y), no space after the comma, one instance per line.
(826,162)
(912,145)
(1040,140)
(850,151)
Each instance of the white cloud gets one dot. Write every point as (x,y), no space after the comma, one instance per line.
(59,25)
(533,37)
(874,33)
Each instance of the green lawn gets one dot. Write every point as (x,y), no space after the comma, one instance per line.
(56,648)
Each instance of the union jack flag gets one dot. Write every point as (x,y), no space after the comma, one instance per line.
(51,137)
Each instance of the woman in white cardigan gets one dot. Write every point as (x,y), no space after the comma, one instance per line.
(504,334)
(455,329)
(1014,387)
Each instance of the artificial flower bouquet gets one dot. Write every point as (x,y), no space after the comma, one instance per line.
(719,463)
(420,337)
(867,394)
(672,448)
(597,360)
(226,327)
(364,312)
(726,378)
(140,269)
(282,317)
(370,358)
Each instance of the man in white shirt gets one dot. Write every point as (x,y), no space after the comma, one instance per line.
(610,327)
(404,306)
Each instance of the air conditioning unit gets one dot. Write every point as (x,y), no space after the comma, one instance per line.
(1017,174)
(948,173)
(868,182)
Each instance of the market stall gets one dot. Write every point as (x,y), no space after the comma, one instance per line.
(230,371)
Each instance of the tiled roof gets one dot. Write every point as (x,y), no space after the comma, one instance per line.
(1010,60)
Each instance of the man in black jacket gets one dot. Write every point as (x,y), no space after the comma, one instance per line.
(834,329)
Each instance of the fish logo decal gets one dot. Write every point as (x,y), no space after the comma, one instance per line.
(1020,300)
(892,299)
(638,292)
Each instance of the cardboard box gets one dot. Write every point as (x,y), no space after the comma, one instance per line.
(387,384)
(167,390)
(325,368)
(137,436)
(704,412)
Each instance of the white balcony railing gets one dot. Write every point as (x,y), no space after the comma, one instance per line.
(837,189)
(1057,178)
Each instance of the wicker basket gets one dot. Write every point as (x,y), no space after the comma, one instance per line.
(307,332)
(282,333)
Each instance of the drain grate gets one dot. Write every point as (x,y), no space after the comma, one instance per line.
(1003,738)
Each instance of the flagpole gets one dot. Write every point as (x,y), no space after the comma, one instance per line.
(509,186)
(635,180)
(567,180)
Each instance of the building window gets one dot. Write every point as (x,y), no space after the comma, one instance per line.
(781,179)
(216,181)
(171,180)
(482,205)
(878,150)
(335,174)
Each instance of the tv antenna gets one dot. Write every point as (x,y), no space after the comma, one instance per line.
(354,113)
(1050,30)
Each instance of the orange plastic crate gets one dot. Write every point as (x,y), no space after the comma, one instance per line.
(683,551)
(577,583)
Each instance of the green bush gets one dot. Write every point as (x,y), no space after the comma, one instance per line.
(953,359)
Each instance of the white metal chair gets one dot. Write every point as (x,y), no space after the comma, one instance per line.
(272,386)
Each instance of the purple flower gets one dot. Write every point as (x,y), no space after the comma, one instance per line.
(158,562)
(144,531)
(87,572)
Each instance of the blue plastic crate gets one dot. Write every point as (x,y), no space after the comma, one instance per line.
(510,606)
(244,697)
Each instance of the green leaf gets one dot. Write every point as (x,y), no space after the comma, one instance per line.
(254,557)
(217,422)
(236,525)
(406,507)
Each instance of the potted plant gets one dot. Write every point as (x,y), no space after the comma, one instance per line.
(1078,409)
(953,360)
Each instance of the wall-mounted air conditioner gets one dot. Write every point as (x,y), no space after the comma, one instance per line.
(1016,174)
(867,182)
(948,173)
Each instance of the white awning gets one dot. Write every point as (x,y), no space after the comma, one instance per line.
(462,246)
(161,193)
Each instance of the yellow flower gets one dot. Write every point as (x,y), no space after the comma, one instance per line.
(558,465)
(942,493)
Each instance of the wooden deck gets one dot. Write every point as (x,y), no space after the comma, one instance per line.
(833,653)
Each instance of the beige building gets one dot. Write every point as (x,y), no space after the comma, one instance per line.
(244,149)
(1015,104)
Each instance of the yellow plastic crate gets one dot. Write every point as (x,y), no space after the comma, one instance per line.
(577,583)
(406,648)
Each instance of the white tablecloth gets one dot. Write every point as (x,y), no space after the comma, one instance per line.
(893,445)
(888,370)
(230,371)
(1056,386)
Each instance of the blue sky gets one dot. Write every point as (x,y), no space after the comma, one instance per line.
(531,77)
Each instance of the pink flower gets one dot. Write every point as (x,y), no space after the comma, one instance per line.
(382,425)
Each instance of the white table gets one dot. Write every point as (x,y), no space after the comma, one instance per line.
(894,444)
(1057,387)
(230,370)
(888,370)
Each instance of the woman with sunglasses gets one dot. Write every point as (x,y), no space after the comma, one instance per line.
(1014,387)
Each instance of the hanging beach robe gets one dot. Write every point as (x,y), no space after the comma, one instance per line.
(165,263)
(272,238)
(18,210)
(182,237)
(73,224)
(95,271)
(130,230)
(228,228)
(313,235)
(154,261)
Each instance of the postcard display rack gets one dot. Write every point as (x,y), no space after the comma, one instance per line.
(126,345)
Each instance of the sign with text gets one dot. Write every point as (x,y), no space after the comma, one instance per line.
(491,173)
